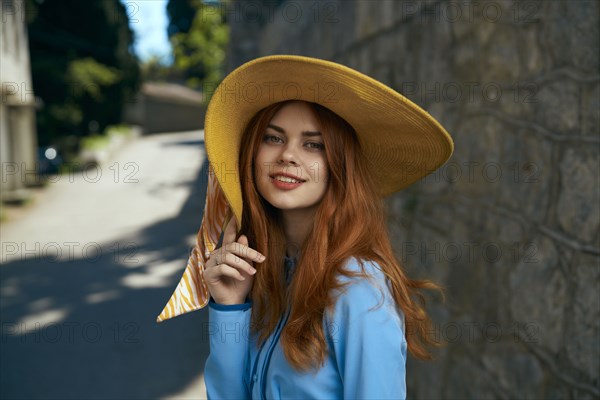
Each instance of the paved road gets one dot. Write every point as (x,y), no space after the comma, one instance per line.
(85,272)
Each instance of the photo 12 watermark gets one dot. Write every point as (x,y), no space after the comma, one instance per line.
(450,332)
(29,173)
(330,12)
(464,11)
(18,93)
(127,11)
(15,10)
(269,91)
(57,252)
(263,12)
(230,173)
(475,172)
(490,332)
(470,92)
(469,252)
(70,332)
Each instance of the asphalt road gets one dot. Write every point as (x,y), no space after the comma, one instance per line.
(86,270)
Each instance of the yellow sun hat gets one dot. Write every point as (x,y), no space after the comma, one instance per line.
(401,140)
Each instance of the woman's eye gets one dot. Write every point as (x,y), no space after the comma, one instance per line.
(316,145)
(271,138)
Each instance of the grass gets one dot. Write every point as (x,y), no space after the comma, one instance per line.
(94,142)
(100,141)
(118,130)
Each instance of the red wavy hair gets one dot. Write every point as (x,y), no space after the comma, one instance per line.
(350,222)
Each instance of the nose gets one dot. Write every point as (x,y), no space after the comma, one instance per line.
(288,155)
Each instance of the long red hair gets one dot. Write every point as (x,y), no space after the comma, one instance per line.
(349,222)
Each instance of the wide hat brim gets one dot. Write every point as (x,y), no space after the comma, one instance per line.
(402,142)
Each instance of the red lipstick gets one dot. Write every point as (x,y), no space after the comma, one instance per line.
(285,185)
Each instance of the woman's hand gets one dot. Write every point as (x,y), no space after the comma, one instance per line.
(229,271)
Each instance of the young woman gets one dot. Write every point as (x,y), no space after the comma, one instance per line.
(307,299)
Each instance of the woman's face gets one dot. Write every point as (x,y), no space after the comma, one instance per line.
(292,145)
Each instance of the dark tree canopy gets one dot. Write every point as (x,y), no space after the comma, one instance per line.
(181,15)
(199,34)
(83,65)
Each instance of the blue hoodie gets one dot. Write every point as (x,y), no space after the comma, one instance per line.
(365,342)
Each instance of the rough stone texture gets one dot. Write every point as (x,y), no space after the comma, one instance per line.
(590,109)
(514,374)
(577,211)
(511,224)
(563,95)
(540,306)
(583,330)
(527,175)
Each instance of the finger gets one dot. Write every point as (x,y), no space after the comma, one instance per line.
(237,262)
(243,239)
(230,231)
(223,270)
(213,258)
(241,249)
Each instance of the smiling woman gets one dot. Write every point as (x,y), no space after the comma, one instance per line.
(305,273)
(290,169)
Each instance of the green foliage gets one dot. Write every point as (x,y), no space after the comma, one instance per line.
(94,142)
(67,113)
(155,69)
(199,53)
(117,130)
(90,77)
(100,141)
(82,65)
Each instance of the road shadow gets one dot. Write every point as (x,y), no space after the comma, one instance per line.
(108,344)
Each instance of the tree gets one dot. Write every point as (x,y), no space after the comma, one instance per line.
(156,70)
(181,14)
(199,52)
(83,65)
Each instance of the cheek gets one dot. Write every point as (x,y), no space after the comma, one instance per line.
(324,165)
(260,164)
(324,168)
(320,169)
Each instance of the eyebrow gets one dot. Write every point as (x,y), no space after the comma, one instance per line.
(304,133)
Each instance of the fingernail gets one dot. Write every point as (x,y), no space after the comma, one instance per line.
(252,271)
(261,257)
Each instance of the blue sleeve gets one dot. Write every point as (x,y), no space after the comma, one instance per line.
(367,335)
(226,369)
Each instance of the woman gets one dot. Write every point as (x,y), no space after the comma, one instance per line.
(307,299)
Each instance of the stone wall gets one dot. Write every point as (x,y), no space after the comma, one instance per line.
(510,225)
(18,140)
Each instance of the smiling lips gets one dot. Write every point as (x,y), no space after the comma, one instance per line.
(286,181)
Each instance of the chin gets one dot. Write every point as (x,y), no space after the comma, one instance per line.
(287,204)
(289,200)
